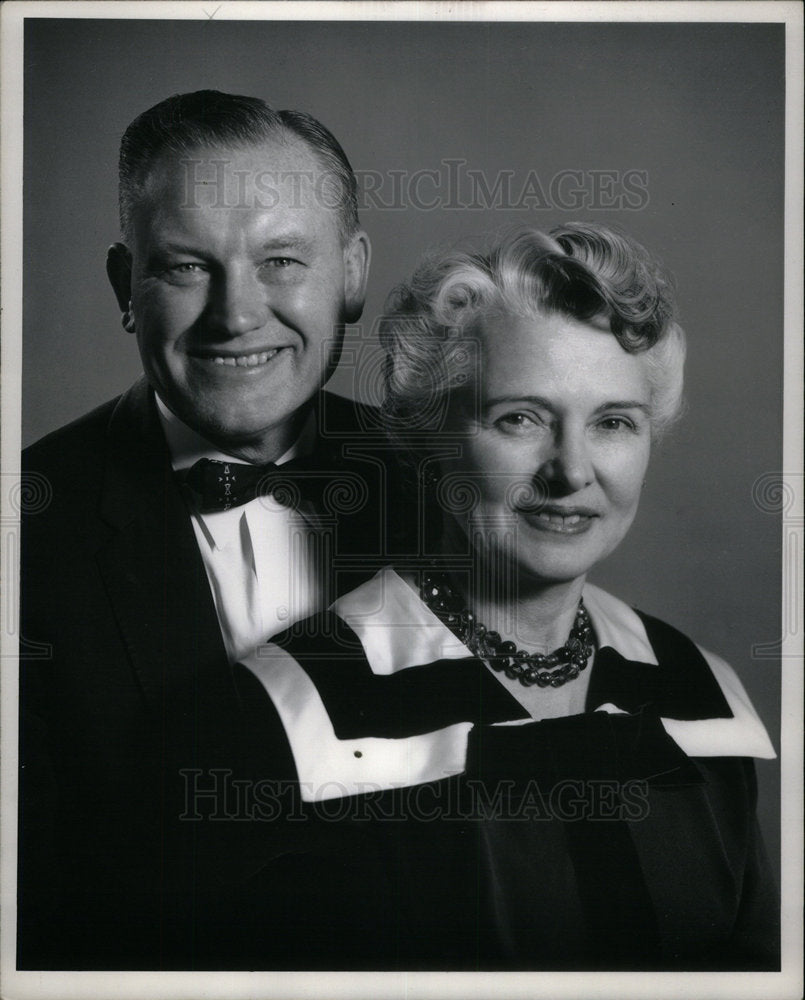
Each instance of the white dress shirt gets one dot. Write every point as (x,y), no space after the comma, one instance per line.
(262,559)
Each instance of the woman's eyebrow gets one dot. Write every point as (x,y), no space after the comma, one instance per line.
(542,401)
(624,404)
(533,400)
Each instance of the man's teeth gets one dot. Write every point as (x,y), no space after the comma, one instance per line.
(558,518)
(246,360)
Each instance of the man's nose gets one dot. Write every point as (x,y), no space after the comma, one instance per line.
(239,302)
(569,468)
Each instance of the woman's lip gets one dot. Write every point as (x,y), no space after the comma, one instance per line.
(566,511)
(571,522)
(553,510)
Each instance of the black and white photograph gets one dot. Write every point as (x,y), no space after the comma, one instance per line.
(402,500)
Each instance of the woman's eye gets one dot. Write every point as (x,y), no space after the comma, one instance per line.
(617,424)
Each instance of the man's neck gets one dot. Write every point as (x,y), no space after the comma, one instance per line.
(187,445)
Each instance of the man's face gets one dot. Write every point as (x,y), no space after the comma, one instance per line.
(240,285)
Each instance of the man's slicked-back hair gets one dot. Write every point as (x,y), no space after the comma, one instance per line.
(185,122)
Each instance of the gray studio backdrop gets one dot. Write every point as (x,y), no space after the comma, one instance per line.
(673,131)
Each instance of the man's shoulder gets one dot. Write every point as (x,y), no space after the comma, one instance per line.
(342,417)
(75,444)
(81,445)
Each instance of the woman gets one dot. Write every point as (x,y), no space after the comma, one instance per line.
(556,781)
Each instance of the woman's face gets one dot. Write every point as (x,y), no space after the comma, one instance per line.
(558,446)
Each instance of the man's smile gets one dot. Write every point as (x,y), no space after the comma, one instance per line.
(252,359)
(244,360)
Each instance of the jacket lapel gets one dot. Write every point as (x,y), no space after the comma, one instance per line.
(153,571)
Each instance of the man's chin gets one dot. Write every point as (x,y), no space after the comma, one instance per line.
(251,440)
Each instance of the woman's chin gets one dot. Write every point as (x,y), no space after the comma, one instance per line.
(538,573)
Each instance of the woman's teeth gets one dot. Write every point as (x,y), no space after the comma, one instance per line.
(559,518)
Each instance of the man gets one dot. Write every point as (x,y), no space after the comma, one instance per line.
(157,564)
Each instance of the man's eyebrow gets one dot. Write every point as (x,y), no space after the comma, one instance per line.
(173,246)
(288,241)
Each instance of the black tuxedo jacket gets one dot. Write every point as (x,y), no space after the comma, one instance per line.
(129,709)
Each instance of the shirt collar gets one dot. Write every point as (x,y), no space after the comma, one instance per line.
(221,529)
(399,632)
(618,626)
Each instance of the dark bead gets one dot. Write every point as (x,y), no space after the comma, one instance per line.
(553,669)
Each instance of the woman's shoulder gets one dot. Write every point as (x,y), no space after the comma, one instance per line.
(703,704)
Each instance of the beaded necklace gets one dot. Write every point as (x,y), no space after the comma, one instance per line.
(544,669)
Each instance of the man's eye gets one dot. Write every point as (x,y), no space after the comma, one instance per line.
(280,262)
(516,422)
(185,273)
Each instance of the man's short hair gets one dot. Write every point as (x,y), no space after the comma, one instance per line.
(210,118)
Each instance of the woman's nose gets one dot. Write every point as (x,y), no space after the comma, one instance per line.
(239,303)
(569,467)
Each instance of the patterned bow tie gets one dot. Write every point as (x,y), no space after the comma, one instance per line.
(219,486)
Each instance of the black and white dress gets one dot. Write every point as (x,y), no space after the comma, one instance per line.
(475,837)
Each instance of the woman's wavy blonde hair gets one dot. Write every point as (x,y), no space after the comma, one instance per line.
(582,270)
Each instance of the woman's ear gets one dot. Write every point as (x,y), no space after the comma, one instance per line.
(118,270)
(357,256)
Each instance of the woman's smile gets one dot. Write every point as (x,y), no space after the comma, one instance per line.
(557,522)
(557,444)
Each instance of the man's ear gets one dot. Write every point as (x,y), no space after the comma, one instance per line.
(118,269)
(357,255)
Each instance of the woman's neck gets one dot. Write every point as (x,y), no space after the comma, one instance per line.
(536,617)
